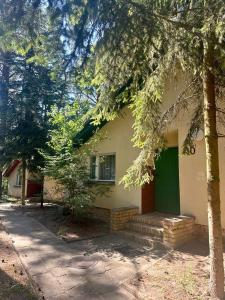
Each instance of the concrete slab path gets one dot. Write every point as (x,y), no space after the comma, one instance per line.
(89,269)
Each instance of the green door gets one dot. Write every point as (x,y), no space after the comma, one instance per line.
(167,198)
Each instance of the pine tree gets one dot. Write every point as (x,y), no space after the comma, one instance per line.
(9,21)
(26,84)
(136,45)
(31,104)
(4,81)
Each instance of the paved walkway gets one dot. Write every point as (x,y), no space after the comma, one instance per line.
(89,269)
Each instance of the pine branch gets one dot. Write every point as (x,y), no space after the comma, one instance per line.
(177,23)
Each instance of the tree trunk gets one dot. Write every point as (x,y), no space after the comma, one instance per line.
(24,167)
(42,191)
(4,94)
(216,285)
(1,184)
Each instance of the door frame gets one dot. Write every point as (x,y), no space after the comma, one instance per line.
(148,198)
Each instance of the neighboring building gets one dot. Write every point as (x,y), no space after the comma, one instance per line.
(52,191)
(179,187)
(13,173)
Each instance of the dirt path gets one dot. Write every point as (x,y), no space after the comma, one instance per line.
(14,281)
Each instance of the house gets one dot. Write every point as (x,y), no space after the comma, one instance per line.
(174,206)
(13,173)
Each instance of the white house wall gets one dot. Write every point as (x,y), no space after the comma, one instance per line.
(192,169)
(13,190)
(118,134)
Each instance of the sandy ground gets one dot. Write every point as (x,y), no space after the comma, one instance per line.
(14,281)
(183,274)
(66,226)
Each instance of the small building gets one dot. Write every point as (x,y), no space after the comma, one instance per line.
(13,173)
(174,205)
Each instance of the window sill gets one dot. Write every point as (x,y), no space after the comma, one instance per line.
(107,182)
(17,186)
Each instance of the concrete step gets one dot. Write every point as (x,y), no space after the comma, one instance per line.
(139,238)
(145,229)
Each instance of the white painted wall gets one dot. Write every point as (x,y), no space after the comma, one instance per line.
(13,189)
(118,140)
(192,169)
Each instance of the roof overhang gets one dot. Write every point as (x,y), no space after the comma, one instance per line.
(11,167)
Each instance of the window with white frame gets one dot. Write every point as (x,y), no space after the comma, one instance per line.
(93,168)
(102,167)
(19,177)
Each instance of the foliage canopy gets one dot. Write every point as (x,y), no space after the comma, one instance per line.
(137,46)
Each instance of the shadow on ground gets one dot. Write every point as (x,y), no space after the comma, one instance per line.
(14,282)
(12,290)
(98,268)
(90,269)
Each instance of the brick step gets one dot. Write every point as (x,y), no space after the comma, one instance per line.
(139,238)
(154,219)
(145,229)
(148,220)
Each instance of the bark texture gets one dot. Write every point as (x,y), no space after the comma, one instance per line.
(1,184)
(24,167)
(4,94)
(42,191)
(216,285)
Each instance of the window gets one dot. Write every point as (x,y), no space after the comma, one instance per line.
(107,167)
(102,167)
(19,177)
(93,168)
